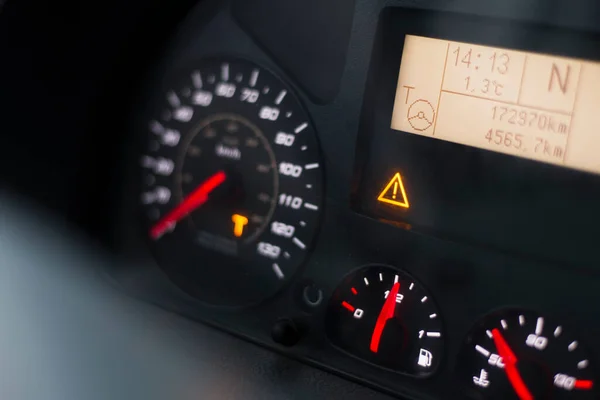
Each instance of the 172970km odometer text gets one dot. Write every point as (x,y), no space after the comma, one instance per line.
(232,181)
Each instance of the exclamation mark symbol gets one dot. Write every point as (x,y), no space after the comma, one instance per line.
(390,194)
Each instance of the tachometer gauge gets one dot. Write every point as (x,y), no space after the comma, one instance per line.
(384,316)
(232,182)
(517,354)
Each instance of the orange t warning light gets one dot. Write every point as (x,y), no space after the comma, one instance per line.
(394,193)
(239,221)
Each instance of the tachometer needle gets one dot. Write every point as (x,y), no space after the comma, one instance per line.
(510,366)
(387,312)
(195,199)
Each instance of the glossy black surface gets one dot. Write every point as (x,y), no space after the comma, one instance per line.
(275,25)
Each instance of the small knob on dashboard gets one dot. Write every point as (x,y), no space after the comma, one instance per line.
(285,332)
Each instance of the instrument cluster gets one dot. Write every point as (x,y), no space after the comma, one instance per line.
(308,225)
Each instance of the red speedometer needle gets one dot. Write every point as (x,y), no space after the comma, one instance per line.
(510,366)
(194,200)
(387,312)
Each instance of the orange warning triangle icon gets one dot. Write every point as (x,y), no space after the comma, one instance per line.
(394,193)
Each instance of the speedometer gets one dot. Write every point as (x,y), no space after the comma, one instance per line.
(232,182)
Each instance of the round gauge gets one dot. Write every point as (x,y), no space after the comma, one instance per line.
(384,316)
(231,182)
(517,354)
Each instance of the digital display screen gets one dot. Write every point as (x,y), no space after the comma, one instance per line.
(528,105)
(515,107)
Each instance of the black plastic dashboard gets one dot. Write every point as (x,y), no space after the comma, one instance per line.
(532,267)
(494,251)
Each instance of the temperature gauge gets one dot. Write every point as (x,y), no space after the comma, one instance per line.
(384,316)
(517,354)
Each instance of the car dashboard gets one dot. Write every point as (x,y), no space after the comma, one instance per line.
(400,193)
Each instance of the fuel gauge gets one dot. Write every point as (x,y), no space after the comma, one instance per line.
(384,316)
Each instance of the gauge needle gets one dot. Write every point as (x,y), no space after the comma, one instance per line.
(510,366)
(387,312)
(197,198)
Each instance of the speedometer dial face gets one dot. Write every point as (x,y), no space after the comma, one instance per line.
(519,354)
(231,182)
